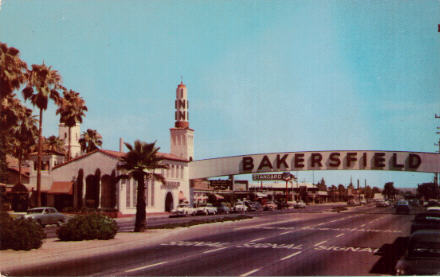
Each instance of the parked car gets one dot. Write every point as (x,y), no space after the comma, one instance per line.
(282,205)
(183,210)
(353,202)
(422,256)
(433,208)
(223,209)
(299,205)
(240,207)
(269,206)
(45,216)
(382,203)
(250,206)
(402,207)
(206,209)
(427,220)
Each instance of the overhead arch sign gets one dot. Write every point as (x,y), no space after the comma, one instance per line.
(317,160)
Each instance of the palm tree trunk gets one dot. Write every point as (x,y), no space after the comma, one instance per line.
(19,170)
(141,214)
(68,150)
(39,159)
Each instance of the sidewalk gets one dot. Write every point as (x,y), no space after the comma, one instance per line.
(55,251)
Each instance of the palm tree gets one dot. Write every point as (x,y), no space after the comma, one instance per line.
(47,82)
(90,140)
(12,70)
(72,108)
(139,163)
(24,136)
(11,112)
(54,143)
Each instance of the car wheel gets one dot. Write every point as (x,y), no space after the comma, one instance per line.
(60,222)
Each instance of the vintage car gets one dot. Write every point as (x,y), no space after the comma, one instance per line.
(183,210)
(45,216)
(422,256)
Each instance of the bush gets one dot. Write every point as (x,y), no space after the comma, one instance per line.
(88,227)
(20,233)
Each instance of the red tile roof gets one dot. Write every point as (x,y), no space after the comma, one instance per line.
(118,155)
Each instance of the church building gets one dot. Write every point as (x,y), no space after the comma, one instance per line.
(89,180)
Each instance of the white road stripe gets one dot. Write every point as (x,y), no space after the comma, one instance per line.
(340,235)
(319,243)
(290,256)
(144,267)
(250,272)
(213,250)
(257,239)
(286,232)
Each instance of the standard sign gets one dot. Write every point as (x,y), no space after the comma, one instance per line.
(267,177)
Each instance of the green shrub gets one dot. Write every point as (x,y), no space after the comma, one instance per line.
(20,233)
(88,227)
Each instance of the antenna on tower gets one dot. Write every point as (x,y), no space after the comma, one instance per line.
(181,79)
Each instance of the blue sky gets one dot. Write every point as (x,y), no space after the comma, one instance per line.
(262,76)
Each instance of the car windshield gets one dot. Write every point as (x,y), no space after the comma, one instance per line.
(35,211)
(424,249)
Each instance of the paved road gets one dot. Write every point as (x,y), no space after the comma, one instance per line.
(366,240)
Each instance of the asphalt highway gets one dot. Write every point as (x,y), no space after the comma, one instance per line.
(365,240)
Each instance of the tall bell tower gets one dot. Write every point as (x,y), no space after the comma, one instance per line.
(182,137)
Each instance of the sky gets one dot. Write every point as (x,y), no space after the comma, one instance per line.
(262,76)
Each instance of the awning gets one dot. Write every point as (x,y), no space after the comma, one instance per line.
(218,196)
(260,195)
(61,188)
(181,196)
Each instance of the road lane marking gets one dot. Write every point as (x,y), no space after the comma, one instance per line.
(250,272)
(144,267)
(319,243)
(257,239)
(363,225)
(291,255)
(213,250)
(288,232)
(340,235)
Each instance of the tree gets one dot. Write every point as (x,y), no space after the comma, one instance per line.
(428,191)
(12,70)
(140,163)
(90,140)
(46,82)
(54,143)
(71,109)
(342,192)
(24,136)
(11,110)
(12,75)
(321,185)
(389,191)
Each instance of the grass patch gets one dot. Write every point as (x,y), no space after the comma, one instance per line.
(199,221)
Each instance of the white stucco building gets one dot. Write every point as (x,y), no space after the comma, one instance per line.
(90,180)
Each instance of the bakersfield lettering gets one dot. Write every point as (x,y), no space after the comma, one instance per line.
(333,160)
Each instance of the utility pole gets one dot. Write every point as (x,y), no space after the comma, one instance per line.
(436,181)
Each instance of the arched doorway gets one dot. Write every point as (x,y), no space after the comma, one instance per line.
(92,191)
(106,185)
(169,203)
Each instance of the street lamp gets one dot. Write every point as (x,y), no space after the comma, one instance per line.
(287,176)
